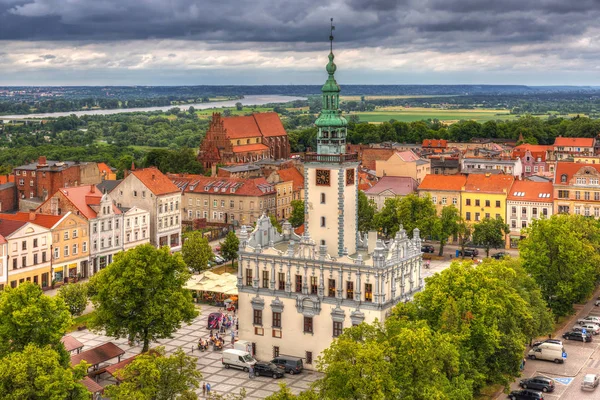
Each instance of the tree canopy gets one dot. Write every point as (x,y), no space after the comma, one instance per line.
(297,216)
(75,296)
(366,212)
(196,251)
(141,295)
(230,247)
(490,232)
(446,225)
(27,316)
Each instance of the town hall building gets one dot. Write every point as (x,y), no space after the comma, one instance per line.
(297,293)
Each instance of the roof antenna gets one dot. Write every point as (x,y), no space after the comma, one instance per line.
(331,37)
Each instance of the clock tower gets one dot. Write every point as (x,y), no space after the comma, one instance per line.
(331,181)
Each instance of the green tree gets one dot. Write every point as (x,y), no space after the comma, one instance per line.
(387,220)
(38,374)
(562,254)
(297,216)
(366,212)
(75,296)
(464,231)
(285,393)
(417,212)
(239,106)
(227,112)
(196,251)
(490,232)
(446,225)
(27,316)
(154,376)
(275,223)
(230,247)
(141,295)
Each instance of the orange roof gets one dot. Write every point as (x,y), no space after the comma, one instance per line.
(292,174)
(299,230)
(6,178)
(441,143)
(536,150)
(488,183)
(189,183)
(569,169)
(573,142)
(45,220)
(241,127)
(407,156)
(250,147)
(443,182)
(83,198)
(531,191)
(91,385)
(269,124)
(156,181)
(104,168)
(8,227)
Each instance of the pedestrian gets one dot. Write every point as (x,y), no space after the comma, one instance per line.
(208,388)
(204,389)
(251,372)
(232,336)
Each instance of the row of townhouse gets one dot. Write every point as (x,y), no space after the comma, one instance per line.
(78,230)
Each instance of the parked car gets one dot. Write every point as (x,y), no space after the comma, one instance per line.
(590,381)
(538,383)
(469,252)
(593,328)
(582,337)
(597,302)
(525,394)
(589,318)
(554,341)
(549,352)
(293,365)
(268,369)
(219,260)
(427,248)
(500,255)
(237,359)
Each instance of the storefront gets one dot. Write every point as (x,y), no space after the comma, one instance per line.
(69,270)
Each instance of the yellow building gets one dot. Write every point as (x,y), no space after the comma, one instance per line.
(28,248)
(404,163)
(484,196)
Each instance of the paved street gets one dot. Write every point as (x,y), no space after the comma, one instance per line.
(582,358)
(209,363)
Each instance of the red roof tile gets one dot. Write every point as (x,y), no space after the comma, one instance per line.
(6,178)
(569,169)
(531,191)
(71,343)
(487,183)
(250,147)
(91,385)
(537,151)
(407,156)
(82,197)
(104,168)
(292,174)
(241,127)
(399,185)
(98,355)
(157,182)
(437,143)
(443,182)
(269,124)
(570,142)
(226,186)
(45,220)
(8,227)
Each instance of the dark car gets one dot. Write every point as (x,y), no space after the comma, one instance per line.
(525,394)
(469,253)
(582,337)
(427,248)
(500,255)
(293,365)
(538,383)
(268,369)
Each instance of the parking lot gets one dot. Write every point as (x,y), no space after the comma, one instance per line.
(582,358)
(209,363)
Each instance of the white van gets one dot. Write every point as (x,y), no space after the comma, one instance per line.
(548,351)
(243,345)
(238,359)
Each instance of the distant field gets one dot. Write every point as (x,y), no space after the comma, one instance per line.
(246,110)
(416,96)
(419,113)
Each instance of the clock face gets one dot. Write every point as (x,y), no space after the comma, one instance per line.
(323,177)
(350,176)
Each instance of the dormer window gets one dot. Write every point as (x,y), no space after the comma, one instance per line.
(563,178)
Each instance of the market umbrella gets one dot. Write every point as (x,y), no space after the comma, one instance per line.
(228,301)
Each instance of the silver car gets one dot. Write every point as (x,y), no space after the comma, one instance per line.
(589,319)
(593,328)
(590,381)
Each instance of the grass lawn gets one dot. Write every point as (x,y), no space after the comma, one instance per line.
(205,114)
(80,321)
(383,97)
(418,113)
(226,267)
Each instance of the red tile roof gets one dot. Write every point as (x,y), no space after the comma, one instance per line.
(573,142)
(98,355)
(369,156)
(292,174)
(531,191)
(71,343)
(45,220)
(188,183)
(249,147)
(537,151)
(443,182)
(407,156)
(399,185)
(8,227)
(91,385)
(569,169)
(488,183)
(269,124)
(6,178)
(82,198)
(157,182)
(437,143)
(255,125)
(104,168)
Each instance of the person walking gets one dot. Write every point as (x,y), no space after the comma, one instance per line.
(232,336)
(204,389)
(251,372)
(208,389)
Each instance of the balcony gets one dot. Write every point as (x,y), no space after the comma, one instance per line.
(331,158)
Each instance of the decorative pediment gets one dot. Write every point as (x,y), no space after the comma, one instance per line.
(277,305)
(258,303)
(357,317)
(308,306)
(337,314)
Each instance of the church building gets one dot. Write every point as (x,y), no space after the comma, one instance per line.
(297,293)
(235,140)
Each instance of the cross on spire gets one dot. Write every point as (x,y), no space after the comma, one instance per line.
(331,37)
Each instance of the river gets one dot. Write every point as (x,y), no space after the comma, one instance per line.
(251,100)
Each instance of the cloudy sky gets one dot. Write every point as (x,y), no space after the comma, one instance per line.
(174,42)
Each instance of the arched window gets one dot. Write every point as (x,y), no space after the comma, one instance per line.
(563,178)
(322,198)
(322,221)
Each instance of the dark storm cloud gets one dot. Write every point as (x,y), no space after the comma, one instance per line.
(441,25)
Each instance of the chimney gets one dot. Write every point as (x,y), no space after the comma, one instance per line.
(32,215)
(153,177)
(92,189)
(42,162)
(133,166)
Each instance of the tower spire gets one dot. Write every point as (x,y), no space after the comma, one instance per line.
(331,37)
